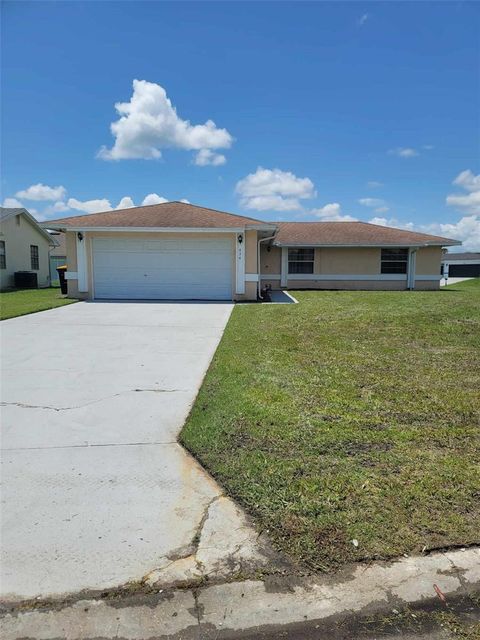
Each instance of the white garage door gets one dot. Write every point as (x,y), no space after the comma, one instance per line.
(162,269)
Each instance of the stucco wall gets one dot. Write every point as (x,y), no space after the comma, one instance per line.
(18,238)
(249,243)
(429,261)
(351,261)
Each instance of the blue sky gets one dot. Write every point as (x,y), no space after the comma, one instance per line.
(319,110)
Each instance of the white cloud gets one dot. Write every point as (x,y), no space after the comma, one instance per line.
(90,206)
(153,198)
(59,207)
(42,192)
(274,189)
(206,157)
(392,222)
(12,203)
(374,184)
(467,229)
(468,180)
(466,202)
(150,123)
(362,20)
(185,201)
(372,202)
(125,203)
(332,212)
(382,209)
(404,152)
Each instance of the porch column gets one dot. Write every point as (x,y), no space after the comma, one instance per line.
(284,267)
(240,263)
(82,261)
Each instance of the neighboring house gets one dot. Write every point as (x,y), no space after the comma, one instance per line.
(24,246)
(461,265)
(181,251)
(58,256)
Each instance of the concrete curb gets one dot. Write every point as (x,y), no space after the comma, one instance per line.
(232,609)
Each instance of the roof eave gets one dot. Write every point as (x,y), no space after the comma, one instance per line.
(446,243)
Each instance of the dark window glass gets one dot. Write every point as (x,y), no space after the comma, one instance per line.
(3,258)
(34,257)
(301,260)
(394,260)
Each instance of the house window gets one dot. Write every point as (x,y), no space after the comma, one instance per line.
(3,257)
(394,261)
(300,260)
(34,257)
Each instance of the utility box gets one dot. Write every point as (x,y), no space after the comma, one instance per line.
(25,280)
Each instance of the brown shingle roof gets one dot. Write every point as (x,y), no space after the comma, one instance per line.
(351,234)
(167,214)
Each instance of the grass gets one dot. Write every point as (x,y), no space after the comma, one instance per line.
(350,416)
(24,301)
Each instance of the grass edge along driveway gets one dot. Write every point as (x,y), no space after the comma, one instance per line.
(24,301)
(348,425)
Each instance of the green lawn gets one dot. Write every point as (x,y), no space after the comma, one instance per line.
(23,301)
(350,416)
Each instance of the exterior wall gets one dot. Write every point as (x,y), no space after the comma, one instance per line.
(250,244)
(18,238)
(429,261)
(355,261)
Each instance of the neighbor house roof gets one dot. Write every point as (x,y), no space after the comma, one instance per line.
(468,256)
(344,234)
(167,214)
(9,212)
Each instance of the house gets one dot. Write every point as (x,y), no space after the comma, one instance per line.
(461,265)
(182,251)
(58,256)
(24,246)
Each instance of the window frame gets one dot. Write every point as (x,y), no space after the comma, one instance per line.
(34,257)
(3,254)
(394,260)
(305,262)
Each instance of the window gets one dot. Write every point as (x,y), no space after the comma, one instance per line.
(394,261)
(34,257)
(3,258)
(17,220)
(300,260)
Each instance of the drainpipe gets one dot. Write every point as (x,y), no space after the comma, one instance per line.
(259,284)
(411,269)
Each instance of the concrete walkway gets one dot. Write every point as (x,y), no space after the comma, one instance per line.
(450,281)
(96,490)
(278,607)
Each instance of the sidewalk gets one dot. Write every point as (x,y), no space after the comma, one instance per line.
(253,608)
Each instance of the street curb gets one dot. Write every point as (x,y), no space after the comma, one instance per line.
(233,609)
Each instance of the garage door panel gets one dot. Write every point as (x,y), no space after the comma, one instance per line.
(163,269)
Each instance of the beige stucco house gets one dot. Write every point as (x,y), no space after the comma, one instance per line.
(182,251)
(24,246)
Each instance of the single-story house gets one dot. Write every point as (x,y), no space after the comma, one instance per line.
(461,265)
(182,251)
(24,246)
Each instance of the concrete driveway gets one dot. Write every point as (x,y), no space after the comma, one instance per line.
(96,491)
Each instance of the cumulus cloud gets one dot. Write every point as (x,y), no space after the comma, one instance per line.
(466,202)
(205,157)
(125,203)
(374,184)
(404,152)
(42,192)
(332,212)
(468,180)
(153,198)
(150,123)
(12,203)
(89,206)
(273,189)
